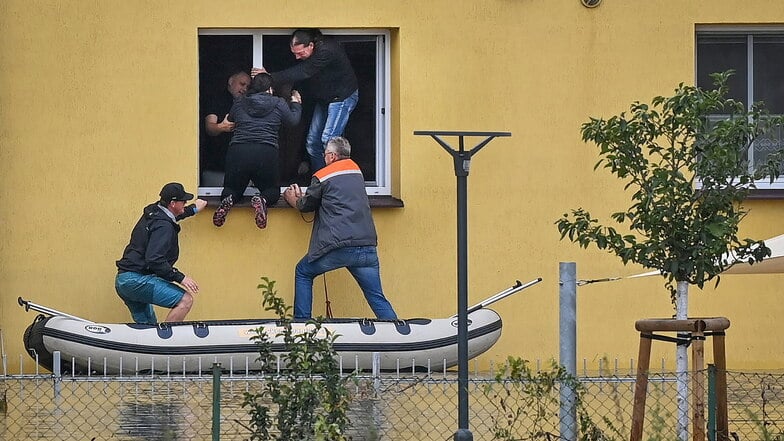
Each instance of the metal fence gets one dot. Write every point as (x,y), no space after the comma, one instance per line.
(387,406)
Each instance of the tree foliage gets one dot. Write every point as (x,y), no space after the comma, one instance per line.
(688,174)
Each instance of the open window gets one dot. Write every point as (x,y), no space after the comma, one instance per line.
(755,54)
(223,52)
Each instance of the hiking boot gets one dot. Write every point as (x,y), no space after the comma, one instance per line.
(222,211)
(260,206)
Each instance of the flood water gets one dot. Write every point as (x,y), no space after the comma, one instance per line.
(178,409)
(145,410)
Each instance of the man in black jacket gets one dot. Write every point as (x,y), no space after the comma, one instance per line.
(146,274)
(333,84)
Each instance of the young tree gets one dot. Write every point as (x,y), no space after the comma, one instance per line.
(685,158)
(690,175)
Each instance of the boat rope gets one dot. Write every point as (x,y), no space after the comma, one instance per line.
(326,296)
(302,215)
(582,282)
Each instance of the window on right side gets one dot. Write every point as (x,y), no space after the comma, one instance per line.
(757,57)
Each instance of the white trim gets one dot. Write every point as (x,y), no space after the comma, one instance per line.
(736,28)
(352,171)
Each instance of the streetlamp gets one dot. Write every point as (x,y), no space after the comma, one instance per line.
(462,162)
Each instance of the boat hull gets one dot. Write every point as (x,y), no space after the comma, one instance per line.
(190,347)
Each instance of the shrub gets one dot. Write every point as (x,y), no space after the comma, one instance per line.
(308,394)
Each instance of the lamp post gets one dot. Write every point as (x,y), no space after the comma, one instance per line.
(462,163)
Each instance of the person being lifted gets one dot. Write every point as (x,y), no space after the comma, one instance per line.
(343,234)
(253,153)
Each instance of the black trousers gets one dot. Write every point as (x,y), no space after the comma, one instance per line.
(257,162)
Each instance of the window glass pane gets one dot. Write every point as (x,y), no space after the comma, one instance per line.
(769,72)
(361,128)
(769,88)
(766,144)
(220,56)
(718,53)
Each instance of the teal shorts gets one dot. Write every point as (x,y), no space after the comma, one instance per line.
(141,291)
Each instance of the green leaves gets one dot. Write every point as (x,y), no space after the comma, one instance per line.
(526,401)
(685,158)
(309,394)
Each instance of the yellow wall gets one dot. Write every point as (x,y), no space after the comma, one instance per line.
(99,108)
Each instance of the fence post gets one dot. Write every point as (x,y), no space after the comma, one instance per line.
(711,402)
(3,354)
(216,385)
(57,373)
(376,373)
(568,347)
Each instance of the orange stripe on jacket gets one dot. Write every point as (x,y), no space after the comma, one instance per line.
(337,168)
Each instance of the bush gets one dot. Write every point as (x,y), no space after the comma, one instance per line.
(527,403)
(308,393)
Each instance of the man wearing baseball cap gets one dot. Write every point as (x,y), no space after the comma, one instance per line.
(146,275)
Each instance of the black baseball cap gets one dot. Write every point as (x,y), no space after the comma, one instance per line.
(174,191)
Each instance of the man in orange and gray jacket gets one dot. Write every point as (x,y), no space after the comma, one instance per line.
(343,234)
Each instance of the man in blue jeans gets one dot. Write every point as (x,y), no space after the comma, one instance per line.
(343,235)
(146,274)
(333,85)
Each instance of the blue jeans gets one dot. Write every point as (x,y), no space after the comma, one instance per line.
(141,291)
(361,262)
(329,120)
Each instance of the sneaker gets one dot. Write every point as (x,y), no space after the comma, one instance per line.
(260,206)
(223,210)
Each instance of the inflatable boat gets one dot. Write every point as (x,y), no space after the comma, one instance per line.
(190,347)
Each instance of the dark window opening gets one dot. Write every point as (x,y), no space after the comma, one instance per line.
(222,55)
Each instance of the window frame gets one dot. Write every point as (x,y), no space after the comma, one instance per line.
(382,186)
(764,186)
